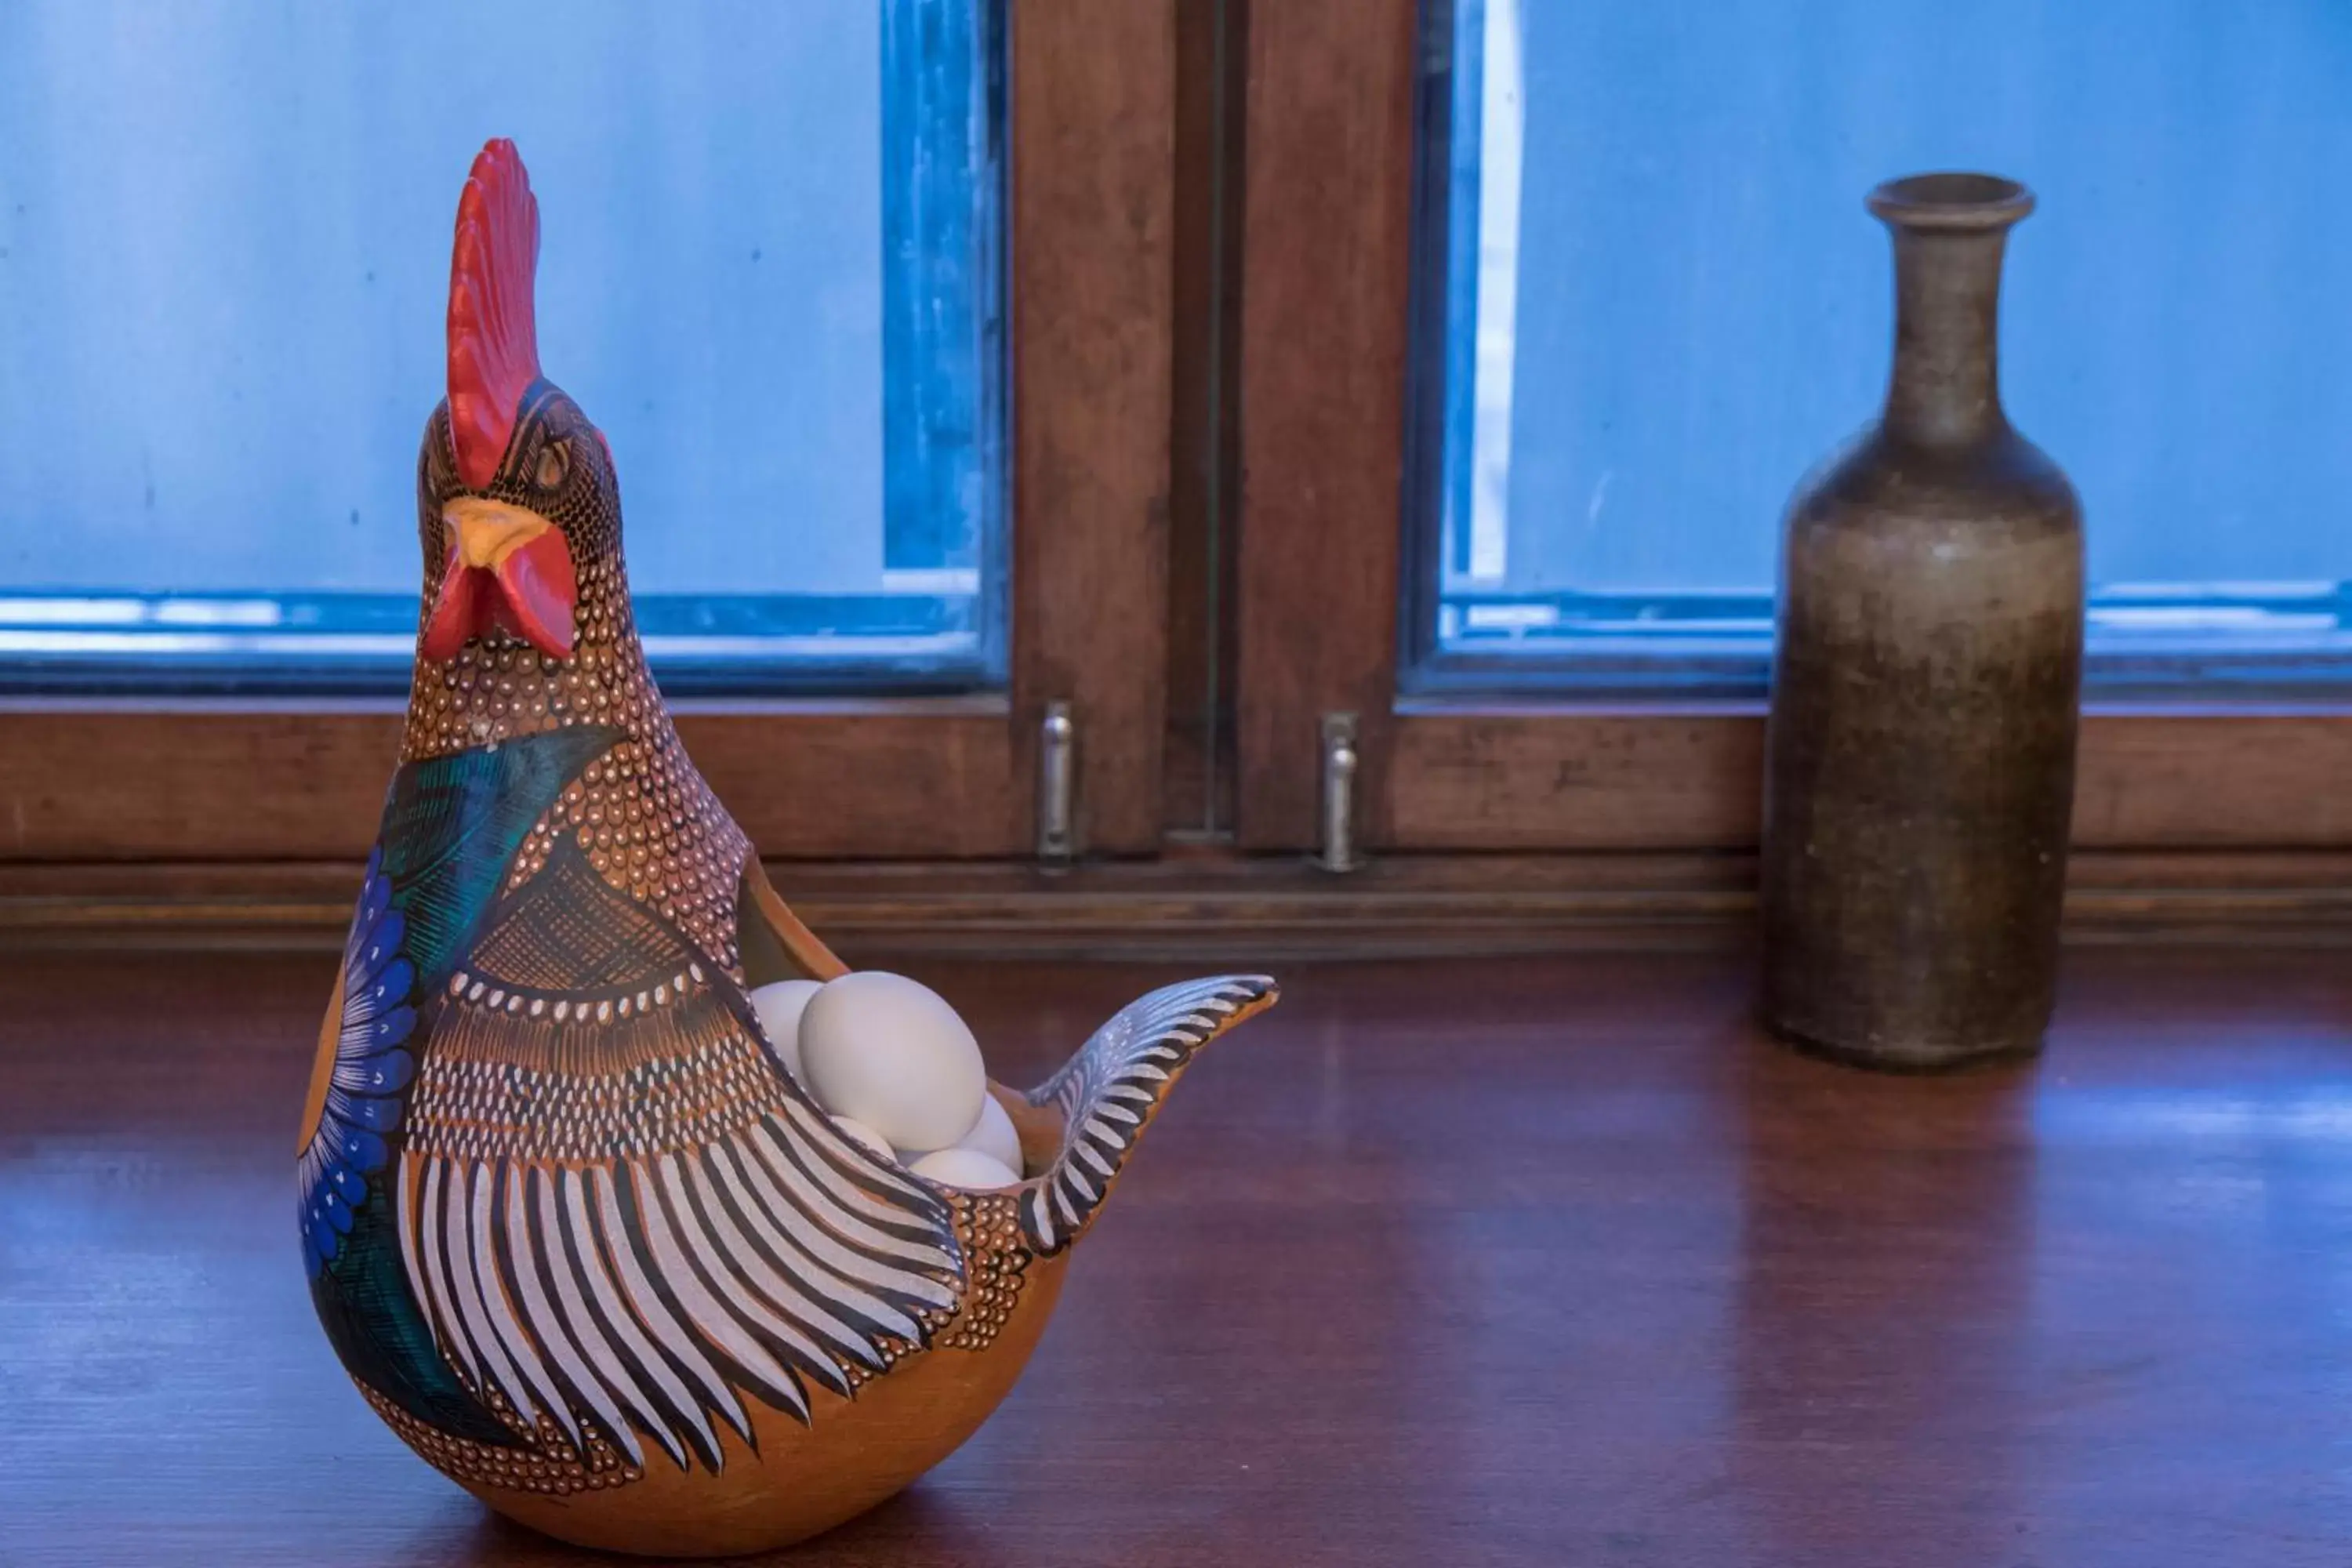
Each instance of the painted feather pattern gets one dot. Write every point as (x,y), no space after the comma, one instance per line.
(1110,1091)
(597,1222)
(372,1063)
(450,824)
(621,1214)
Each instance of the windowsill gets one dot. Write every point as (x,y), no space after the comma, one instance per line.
(1218,906)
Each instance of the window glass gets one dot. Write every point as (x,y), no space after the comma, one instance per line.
(768,270)
(1651,299)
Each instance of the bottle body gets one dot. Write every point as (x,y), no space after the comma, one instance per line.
(1920,757)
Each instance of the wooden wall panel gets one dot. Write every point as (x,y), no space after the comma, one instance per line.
(2217,778)
(1560,779)
(1327,245)
(1500,779)
(118,783)
(1210,76)
(1093,108)
(919,779)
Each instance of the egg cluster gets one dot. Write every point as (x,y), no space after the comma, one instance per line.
(898,1073)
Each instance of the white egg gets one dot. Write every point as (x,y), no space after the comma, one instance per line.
(890,1053)
(964,1168)
(780,1006)
(864,1137)
(992,1135)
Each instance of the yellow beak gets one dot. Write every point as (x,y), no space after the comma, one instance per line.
(486,531)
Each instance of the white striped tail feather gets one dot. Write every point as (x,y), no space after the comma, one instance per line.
(858,1190)
(649,1296)
(1110,1091)
(610,1244)
(665,1406)
(701,1288)
(586,1349)
(812,1334)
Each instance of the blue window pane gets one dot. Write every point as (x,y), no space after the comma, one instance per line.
(768,270)
(1651,299)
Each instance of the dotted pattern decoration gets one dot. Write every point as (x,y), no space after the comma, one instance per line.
(645,820)
(553,1465)
(490,997)
(996,1262)
(476,1110)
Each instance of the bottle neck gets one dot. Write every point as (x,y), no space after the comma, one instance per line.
(1946,387)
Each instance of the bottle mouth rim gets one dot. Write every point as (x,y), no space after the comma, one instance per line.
(1951,200)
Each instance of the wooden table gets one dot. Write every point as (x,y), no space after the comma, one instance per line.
(1458,1263)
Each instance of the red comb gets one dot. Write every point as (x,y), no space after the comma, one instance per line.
(493,332)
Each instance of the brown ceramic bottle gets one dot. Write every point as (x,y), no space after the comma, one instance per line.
(1921,751)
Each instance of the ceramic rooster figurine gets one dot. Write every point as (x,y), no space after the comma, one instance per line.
(575,1232)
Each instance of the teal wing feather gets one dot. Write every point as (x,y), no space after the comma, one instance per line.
(451,827)
(452,824)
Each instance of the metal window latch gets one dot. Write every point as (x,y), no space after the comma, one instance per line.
(1339,850)
(1058,782)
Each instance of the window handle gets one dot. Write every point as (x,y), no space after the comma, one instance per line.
(1057,776)
(1339,759)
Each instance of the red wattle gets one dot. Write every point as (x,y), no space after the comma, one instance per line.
(531,594)
(536,593)
(457,614)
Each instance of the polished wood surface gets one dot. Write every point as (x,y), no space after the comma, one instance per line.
(1504,1262)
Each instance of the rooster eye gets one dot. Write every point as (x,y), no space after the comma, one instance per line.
(554,462)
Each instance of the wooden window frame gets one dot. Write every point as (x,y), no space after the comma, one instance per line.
(1326,296)
(1091,135)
